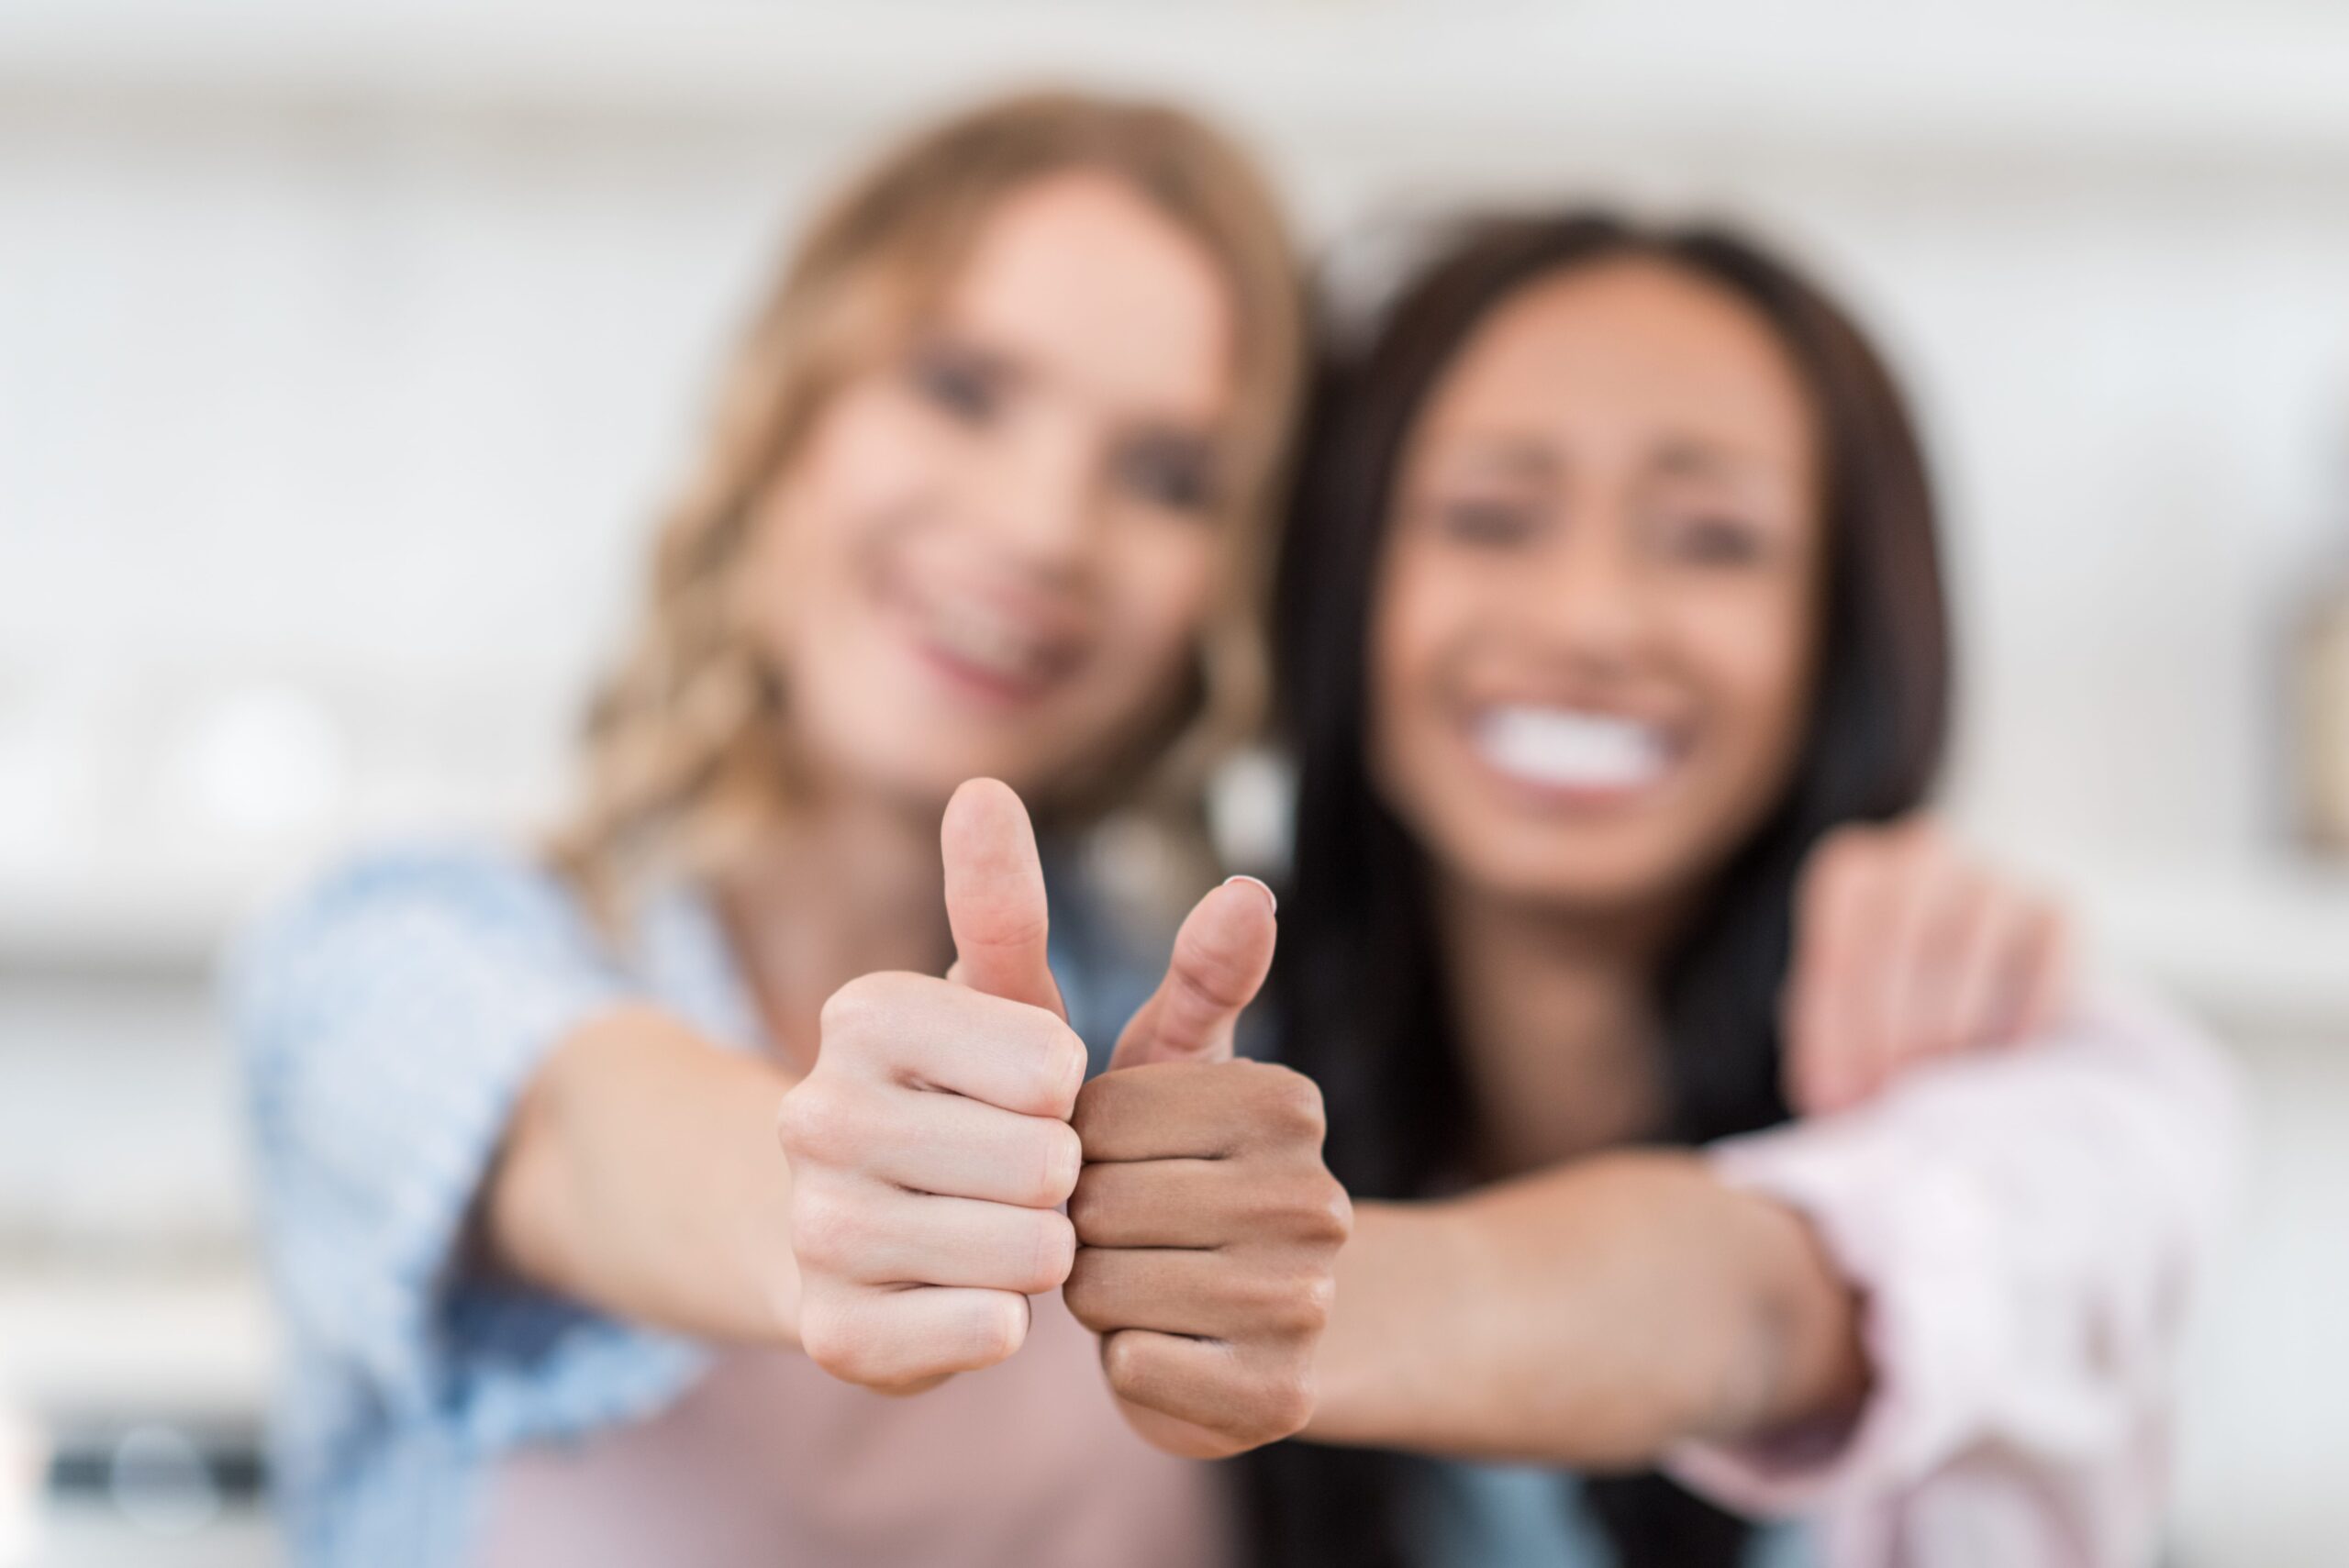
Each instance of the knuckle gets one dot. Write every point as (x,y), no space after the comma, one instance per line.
(1060,1068)
(1316,1301)
(1287,1398)
(1291,1103)
(1126,1363)
(791,1114)
(1903,831)
(1307,1308)
(1086,1292)
(1059,1160)
(830,1336)
(852,1011)
(999,1326)
(1100,1107)
(1053,1255)
(1296,1305)
(1260,1294)
(1091,1207)
(1273,1398)
(827,1229)
(1839,854)
(812,1121)
(1924,835)
(1325,1215)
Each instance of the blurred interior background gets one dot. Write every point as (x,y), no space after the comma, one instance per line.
(345,354)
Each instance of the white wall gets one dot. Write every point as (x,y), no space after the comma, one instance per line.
(326,380)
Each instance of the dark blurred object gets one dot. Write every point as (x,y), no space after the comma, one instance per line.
(157,1493)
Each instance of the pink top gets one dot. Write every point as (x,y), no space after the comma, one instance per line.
(2026,1230)
(770,1461)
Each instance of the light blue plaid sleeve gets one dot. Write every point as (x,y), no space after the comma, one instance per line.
(387,1024)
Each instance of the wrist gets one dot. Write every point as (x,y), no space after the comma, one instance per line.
(1801,1329)
(776,1278)
(1402,1284)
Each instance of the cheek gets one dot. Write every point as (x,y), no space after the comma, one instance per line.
(1414,610)
(870,447)
(1159,584)
(1420,608)
(1757,658)
(865,465)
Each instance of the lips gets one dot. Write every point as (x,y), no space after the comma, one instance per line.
(1571,750)
(995,649)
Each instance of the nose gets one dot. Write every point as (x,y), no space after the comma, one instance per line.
(1590,602)
(1045,499)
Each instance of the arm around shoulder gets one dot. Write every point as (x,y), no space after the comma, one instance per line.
(2026,1230)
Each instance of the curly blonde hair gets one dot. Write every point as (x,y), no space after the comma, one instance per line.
(688,760)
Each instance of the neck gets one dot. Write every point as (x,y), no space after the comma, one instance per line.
(1556,1026)
(847,888)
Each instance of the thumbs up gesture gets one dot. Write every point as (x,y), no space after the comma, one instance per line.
(1210,1227)
(930,1146)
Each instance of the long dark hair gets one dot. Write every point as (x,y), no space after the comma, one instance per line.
(1360,981)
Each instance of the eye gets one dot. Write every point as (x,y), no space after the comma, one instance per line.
(962,384)
(1715,539)
(1485,521)
(1170,471)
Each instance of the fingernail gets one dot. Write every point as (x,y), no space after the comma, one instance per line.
(1258,883)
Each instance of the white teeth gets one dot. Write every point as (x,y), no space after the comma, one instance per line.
(1561,749)
(979,637)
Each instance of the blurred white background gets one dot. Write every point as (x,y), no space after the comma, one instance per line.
(345,354)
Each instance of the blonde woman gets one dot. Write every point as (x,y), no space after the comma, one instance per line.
(988,492)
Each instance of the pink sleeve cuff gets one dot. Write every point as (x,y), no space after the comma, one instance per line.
(2024,1230)
(1934,1336)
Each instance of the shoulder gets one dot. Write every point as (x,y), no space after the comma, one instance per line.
(487,884)
(399,915)
(489,889)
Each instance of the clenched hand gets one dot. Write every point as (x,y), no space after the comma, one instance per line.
(1210,1227)
(930,1147)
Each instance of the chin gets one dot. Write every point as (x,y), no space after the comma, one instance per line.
(1595,873)
(917,767)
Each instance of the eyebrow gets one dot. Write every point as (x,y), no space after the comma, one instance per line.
(1515,457)
(968,351)
(1191,443)
(1693,457)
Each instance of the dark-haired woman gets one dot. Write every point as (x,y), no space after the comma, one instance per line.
(1616,597)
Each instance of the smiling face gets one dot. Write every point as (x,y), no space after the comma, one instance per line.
(1596,620)
(996,550)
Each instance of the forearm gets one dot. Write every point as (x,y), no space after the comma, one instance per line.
(1590,1315)
(641,1175)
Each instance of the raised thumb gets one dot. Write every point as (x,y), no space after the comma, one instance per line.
(995,896)
(1221,956)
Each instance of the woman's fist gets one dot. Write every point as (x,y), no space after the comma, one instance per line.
(1210,1231)
(1211,1226)
(929,1152)
(930,1147)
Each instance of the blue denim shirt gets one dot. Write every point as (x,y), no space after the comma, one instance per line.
(387,1021)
